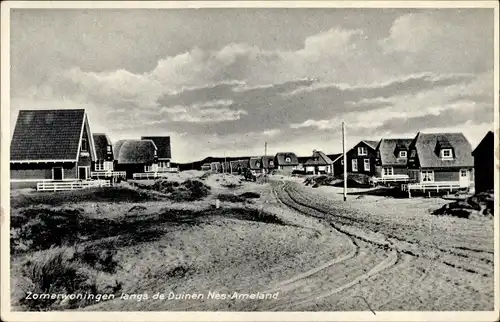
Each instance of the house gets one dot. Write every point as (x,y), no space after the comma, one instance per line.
(216,167)
(255,164)
(300,167)
(319,163)
(440,161)
(205,167)
(337,163)
(135,156)
(391,161)
(286,162)
(104,153)
(484,160)
(164,152)
(51,145)
(268,164)
(237,166)
(361,158)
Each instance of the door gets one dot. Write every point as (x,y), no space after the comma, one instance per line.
(464,178)
(57,173)
(82,173)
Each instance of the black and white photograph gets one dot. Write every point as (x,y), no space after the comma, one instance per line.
(277,157)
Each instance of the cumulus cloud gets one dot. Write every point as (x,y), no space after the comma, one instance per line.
(422,70)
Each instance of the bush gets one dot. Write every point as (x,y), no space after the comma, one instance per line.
(112,194)
(231,198)
(480,204)
(189,190)
(250,195)
(56,271)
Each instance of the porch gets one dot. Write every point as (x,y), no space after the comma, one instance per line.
(397,178)
(434,187)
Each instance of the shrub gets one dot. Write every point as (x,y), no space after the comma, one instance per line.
(230,198)
(56,271)
(113,194)
(250,195)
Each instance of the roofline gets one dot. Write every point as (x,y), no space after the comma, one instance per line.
(44,161)
(340,156)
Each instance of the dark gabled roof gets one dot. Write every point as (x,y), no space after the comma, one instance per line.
(371,143)
(334,156)
(255,163)
(487,144)
(281,157)
(101,142)
(302,160)
(428,155)
(389,149)
(134,151)
(318,158)
(47,135)
(268,162)
(163,145)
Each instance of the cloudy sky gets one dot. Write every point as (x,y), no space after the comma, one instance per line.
(224,81)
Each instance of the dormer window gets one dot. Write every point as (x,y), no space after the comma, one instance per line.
(446,154)
(288,160)
(257,164)
(362,150)
(271,163)
(403,154)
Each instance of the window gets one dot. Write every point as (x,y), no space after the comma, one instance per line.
(362,150)
(108,165)
(342,161)
(84,145)
(427,175)
(413,153)
(446,154)
(99,165)
(387,171)
(367,164)
(288,160)
(402,154)
(463,173)
(257,164)
(354,165)
(108,148)
(271,163)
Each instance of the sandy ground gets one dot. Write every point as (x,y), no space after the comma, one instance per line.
(369,253)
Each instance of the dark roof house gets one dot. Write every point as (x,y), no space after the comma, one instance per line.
(255,163)
(390,151)
(429,146)
(135,151)
(286,159)
(49,135)
(102,142)
(163,145)
(484,163)
(268,162)
(318,159)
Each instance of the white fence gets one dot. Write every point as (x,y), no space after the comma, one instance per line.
(70,185)
(388,179)
(108,174)
(150,175)
(433,186)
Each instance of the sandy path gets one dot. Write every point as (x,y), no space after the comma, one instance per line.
(410,275)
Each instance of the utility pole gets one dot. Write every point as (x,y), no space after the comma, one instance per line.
(345,161)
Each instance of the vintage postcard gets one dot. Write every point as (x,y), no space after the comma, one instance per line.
(250,161)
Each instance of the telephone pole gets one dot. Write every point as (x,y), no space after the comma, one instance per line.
(265,163)
(345,161)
